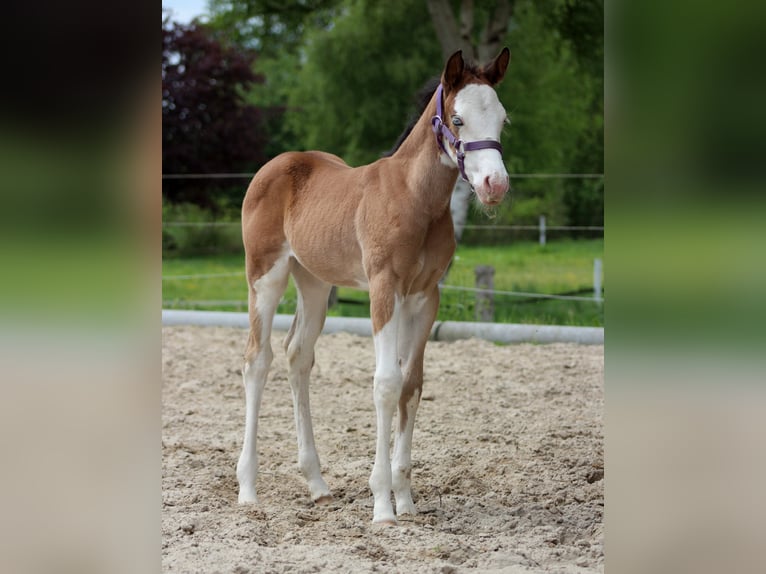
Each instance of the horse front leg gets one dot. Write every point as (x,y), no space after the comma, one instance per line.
(401,464)
(385,309)
(418,314)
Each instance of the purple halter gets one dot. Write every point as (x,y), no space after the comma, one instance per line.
(461,147)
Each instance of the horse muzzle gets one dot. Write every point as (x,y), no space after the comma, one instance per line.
(492,189)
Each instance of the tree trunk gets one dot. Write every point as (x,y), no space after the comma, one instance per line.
(447,28)
(466,29)
(493,34)
(456,35)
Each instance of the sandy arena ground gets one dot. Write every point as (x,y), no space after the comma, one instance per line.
(508,461)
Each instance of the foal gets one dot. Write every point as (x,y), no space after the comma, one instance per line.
(385,227)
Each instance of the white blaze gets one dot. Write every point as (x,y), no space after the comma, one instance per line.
(483,118)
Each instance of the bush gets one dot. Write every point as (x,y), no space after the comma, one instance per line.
(187,230)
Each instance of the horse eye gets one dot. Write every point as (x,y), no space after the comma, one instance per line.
(456,121)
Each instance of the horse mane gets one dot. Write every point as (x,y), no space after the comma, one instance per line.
(421,99)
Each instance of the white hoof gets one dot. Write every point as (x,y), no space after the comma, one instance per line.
(406,507)
(384,516)
(390,521)
(247,497)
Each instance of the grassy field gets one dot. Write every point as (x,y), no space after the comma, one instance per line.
(562,267)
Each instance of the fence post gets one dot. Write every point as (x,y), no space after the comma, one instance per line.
(485,283)
(597,266)
(542,230)
(332,299)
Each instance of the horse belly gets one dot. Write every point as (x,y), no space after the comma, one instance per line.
(329,253)
(333,270)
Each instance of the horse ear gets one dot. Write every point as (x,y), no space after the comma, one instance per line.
(453,71)
(495,70)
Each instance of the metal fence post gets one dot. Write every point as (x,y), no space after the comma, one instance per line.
(332,298)
(597,267)
(485,302)
(542,230)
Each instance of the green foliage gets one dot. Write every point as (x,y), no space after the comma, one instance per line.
(547,99)
(281,78)
(182,237)
(344,73)
(584,201)
(276,31)
(270,27)
(353,94)
(582,24)
(360,76)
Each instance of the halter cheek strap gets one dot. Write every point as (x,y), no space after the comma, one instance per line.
(442,131)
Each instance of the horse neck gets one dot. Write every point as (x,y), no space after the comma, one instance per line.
(428,179)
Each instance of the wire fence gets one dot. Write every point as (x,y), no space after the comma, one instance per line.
(542,228)
(462,297)
(512,175)
(202,276)
(467,226)
(461,302)
(560,297)
(243,302)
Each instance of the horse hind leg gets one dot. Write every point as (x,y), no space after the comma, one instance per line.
(264,294)
(299,347)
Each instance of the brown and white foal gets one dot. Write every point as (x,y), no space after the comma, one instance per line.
(385,227)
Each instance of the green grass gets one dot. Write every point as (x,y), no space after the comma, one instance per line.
(559,267)
(178,293)
(556,268)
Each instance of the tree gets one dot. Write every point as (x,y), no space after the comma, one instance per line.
(207,126)
(272,27)
(345,73)
(556,89)
(582,24)
(356,85)
(276,30)
(480,34)
(478,29)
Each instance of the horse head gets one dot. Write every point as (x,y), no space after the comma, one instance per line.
(470,117)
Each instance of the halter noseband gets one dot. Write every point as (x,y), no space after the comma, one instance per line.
(460,146)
